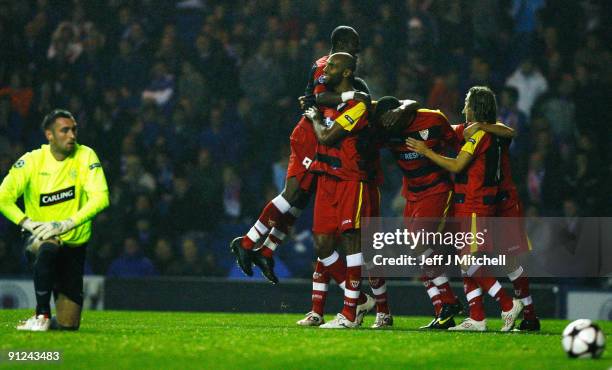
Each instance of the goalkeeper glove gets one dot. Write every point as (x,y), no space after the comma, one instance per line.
(29,225)
(55,228)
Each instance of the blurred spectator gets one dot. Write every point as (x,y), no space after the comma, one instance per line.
(161,87)
(190,264)
(530,83)
(66,46)
(164,256)
(132,262)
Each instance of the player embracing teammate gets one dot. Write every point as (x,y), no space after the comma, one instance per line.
(477,194)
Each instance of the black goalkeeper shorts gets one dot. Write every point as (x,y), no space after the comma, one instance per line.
(69,269)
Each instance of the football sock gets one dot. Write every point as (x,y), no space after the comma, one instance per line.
(269,217)
(352,287)
(44,277)
(379,289)
(446,292)
(280,231)
(320,283)
(434,294)
(473,294)
(521,291)
(335,267)
(493,287)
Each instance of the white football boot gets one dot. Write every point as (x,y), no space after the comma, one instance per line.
(35,323)
(382,320)
(311,319)
(340,322)
(509,317)
(469,324)
(364,308)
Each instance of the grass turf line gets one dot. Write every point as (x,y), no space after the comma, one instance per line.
(128,339)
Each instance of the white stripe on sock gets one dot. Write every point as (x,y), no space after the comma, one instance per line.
(319,286)
(473,294)
(354,294)
(527,300)
(328,261)
(270,244)
(353,260)
(515,274)
(440,280)
(432,292)
(494,289)
(261,228)
(427,253)
(380,290)
(278,234)
(281,204)
(472,270)
(253,235)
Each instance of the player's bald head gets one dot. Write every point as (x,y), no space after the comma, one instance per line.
(343,61)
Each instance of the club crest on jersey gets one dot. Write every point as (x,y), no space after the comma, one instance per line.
(355,283)
(424,134)
(321,79)
(56,197)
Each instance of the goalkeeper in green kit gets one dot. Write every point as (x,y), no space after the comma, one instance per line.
(63,188)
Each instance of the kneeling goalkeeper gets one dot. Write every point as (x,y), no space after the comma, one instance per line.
(63,188)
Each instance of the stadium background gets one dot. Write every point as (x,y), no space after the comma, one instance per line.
(190,105)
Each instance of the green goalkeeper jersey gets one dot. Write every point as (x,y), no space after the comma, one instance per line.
(56,190)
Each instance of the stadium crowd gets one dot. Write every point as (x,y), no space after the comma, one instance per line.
(190,106)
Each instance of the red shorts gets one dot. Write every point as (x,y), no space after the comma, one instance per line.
(433,208)
(510,234)
(474,232)
(341,205)
(303,149)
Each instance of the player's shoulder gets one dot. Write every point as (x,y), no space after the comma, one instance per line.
(432,113)
(29,157)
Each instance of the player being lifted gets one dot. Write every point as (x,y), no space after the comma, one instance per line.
(63,188)
(476,187)
(280,213)
(347,162)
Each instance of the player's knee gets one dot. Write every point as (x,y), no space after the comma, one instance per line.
(46,252)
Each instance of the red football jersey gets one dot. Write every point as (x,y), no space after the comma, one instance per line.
(354,157)
(422,177)
(476,186)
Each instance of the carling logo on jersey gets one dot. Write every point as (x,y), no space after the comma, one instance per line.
(57,197)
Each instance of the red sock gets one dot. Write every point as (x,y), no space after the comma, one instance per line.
(269,218)
(434,294)
(379,289)
(320,282)
(473,295)
(521,291)
(493,287)
(352,292)
(335,267)
(446,292)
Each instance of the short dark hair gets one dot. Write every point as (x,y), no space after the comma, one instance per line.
(385,104)
(343,35)
(481,100)
(55,114)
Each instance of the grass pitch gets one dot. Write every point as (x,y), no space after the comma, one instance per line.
(173,340)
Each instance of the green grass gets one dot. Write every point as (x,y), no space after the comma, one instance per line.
(135,340)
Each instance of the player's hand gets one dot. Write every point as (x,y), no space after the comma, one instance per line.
(30,225)
(307,101)
(312,114)
(391,117)
(362,97)
(471,130)
(54,228)
(417,146)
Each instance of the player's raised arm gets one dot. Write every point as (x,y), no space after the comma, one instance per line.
(454,165)
(497,129)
